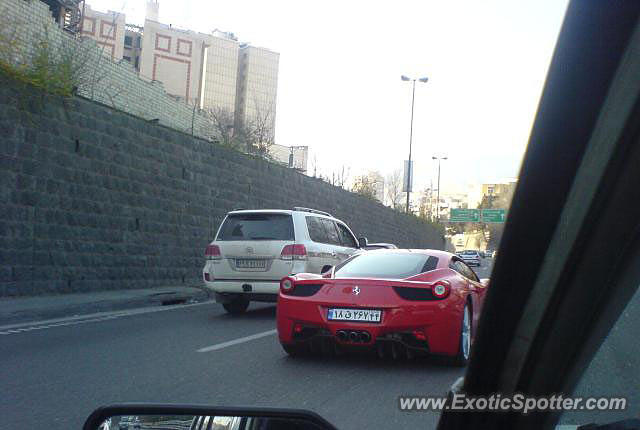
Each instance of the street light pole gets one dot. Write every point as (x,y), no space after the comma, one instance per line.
(409,169)
(409,172)
(438,198)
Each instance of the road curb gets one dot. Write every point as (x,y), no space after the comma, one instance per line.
(23,313)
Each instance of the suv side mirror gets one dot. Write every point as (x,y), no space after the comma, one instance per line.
(362,242)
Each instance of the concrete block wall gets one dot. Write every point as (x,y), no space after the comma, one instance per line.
(95,199)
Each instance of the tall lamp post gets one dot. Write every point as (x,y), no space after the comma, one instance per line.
(438,198)
(413,97)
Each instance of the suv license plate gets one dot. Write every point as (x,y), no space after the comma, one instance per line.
(365,315)
(251,264)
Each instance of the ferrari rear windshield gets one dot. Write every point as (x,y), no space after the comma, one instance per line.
(257,226)
(387,265)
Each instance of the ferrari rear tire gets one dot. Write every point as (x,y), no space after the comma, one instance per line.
(464,342)
(236,306)
(293,350)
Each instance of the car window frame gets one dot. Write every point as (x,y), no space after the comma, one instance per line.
(347,231)
(452,265)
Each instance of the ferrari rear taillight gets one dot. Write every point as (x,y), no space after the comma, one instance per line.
(286,284)
(294,252)
(440,290)
(212,252)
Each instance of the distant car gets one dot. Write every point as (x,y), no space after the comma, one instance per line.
(471,257)
(401,302)
(372,246)
(254,249)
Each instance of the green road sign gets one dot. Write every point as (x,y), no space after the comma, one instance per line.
(464,215)
(493,215)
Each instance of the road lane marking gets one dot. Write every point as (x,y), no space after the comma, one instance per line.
(82,319)
(237,341)
(61,324)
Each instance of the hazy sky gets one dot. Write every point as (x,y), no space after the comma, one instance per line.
(339,89)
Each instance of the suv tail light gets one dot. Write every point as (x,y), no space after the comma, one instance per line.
(212,252)
(294,252)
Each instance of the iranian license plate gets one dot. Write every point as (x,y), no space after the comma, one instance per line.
(365,315)
(245,263)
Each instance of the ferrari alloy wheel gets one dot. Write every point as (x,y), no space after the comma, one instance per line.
(462,358)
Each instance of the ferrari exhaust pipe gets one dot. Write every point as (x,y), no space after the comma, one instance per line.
(394,351)
(365,337)
(342,335)
(353,336)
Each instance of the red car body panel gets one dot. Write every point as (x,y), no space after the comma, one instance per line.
(440,319)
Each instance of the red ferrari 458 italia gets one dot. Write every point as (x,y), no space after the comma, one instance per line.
(398,301)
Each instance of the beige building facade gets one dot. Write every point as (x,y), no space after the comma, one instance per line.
(257,86)
(107,29)
(173,57)
(219,73)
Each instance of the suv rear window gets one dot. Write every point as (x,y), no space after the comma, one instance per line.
(257,226)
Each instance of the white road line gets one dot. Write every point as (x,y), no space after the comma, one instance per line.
(61,324)
(237,341)
(82,319)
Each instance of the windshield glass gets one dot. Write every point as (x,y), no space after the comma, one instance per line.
(257,227)
(386,265)
(167,165)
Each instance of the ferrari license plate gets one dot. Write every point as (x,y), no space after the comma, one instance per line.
(365,315)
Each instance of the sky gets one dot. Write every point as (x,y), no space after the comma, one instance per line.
(339,87)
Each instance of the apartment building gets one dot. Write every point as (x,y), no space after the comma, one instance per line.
(219,72)
(257,87)
(173,57)
(132,51)
(107,29)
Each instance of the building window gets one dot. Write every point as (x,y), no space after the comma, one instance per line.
(124,57)
(127,41)
(138,40)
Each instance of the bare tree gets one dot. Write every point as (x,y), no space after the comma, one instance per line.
(222,122)
(257,132)
(363,186)
(339,177)
(393,185)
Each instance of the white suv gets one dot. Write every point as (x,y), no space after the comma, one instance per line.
(254,249)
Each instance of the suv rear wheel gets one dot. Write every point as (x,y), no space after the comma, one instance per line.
(236,306)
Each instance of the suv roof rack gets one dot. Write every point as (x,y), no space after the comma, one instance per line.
(315,211)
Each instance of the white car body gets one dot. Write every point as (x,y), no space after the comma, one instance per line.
(253,268)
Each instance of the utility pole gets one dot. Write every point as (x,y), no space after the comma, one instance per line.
(438,198)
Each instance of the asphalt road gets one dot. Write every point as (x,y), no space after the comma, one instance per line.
(55,375)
